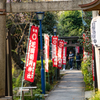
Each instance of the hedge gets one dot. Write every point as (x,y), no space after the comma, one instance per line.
(17,76)
(87,73)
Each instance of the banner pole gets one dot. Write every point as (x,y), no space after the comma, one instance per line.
(51,45)
(52,75)
(25,61)
(45,81)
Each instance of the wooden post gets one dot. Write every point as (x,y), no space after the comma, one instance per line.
(31,93)
(22,95)
(9,65)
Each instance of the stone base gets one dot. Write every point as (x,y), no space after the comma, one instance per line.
(6,98)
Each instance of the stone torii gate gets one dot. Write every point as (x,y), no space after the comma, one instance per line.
(70,39)
(27,7)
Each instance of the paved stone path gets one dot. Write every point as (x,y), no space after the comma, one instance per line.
(71,87)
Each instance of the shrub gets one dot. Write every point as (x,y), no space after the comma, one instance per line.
(38,71)
(96,96)
(87,73)
(48,86)
(17,76)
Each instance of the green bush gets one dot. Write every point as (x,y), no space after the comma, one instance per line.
(96,96)
(38,72)
(48,86)
(87,73)
(17,78)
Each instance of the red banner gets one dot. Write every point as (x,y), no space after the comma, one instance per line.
(54,50)
(77,49)
(31,56)
(93,63)
(85,54)
(83,46)
(60,53)
(64,54)
(46,38)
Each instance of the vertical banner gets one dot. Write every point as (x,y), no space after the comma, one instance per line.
(83,46)
(31,56)
(93,63)
(46,39)
(54,50)
(60,53)
(85,54)
(77,49)
(64,54)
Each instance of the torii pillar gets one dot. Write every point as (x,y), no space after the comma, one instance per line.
(3,49)
(2,46)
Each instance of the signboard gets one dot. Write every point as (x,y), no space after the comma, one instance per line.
(95,31)
(64,54)
(31,56)
(54,50)
(60,53)
(46,39)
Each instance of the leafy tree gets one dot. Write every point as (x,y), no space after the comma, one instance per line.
(18,26)
(48,22)
(87,17)
(70,23)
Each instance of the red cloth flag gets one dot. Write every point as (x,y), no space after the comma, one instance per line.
(54,50)
(64,54)
(60,53)
(93,63)
(85,54)
(31,56)
(83,45)
(46,38)
(77,49)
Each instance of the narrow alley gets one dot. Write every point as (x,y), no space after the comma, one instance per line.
(71,87)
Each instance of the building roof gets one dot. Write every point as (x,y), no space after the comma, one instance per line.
(95,5)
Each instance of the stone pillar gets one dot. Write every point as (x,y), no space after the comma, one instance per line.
(2,47)
(97,59)
(97,56)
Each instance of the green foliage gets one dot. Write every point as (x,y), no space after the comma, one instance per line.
(16,80)
(18,26)
(87,17)
(70,23)
(48,86)
(17,77)
(96,96)
(36,94)
(86,43)
(38,71)
(48,22)
(87,73)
